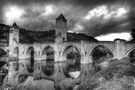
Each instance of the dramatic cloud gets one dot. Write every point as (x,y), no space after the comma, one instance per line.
(93,17)
(105,12)
(104,19)
(13,13)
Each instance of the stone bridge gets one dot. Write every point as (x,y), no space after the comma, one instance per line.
(51,60)
(32,58)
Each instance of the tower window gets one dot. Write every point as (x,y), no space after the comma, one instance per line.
(63,38)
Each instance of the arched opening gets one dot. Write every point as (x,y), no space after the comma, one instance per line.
(72,67)
(48,60)
(30,53)
(131,55)
(100,55)
(16,57)
(16,52)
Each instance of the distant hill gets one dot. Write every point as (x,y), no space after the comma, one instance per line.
(79,37)
(29,36)
(117,75)
(4,33)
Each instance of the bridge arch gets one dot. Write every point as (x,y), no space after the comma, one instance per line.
(130,51)
(106,46)
(16,57)
(30,54)
(99,54)
(131,55)
(63,53)
(72,62)
(48,60)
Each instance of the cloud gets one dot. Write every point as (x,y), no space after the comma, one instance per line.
(106,12)
(110,26)
(93,17)
(42,17)
(105,19)
(13,13)
(78,28)
(49,10)
(113,36)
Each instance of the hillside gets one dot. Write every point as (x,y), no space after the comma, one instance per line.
(27,36)
(117,75)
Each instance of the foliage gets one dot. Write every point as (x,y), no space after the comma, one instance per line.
(133,35)
(27,36)
(79,37)
(22,78)
(4,35)
(116,76)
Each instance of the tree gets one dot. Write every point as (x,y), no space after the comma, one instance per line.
(118,75)
(133,34)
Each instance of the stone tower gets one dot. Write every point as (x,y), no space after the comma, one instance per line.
(13,38)
(61,29)
(13,53)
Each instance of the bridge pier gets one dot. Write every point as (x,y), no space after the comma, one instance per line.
(85,71)
(119,51)
(12,73)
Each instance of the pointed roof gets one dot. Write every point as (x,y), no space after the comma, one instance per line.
(61,17)
(15,25)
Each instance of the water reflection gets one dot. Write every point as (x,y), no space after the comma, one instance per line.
(48,67)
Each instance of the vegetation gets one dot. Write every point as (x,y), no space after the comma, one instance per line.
(133,34)
(118,75)
(27,36)
(79,37)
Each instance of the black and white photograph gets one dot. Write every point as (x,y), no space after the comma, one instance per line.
(67,44)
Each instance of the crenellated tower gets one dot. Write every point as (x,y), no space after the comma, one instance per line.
(13,39)
(13,53)
(61,29)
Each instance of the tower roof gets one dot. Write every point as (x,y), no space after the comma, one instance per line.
(61,17)
(15,25)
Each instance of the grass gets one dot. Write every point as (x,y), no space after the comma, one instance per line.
(112,77)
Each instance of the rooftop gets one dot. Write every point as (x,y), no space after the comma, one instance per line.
(61,17)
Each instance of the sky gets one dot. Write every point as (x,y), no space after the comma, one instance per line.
(103,19)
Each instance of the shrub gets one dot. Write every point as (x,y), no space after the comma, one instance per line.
(116,76)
